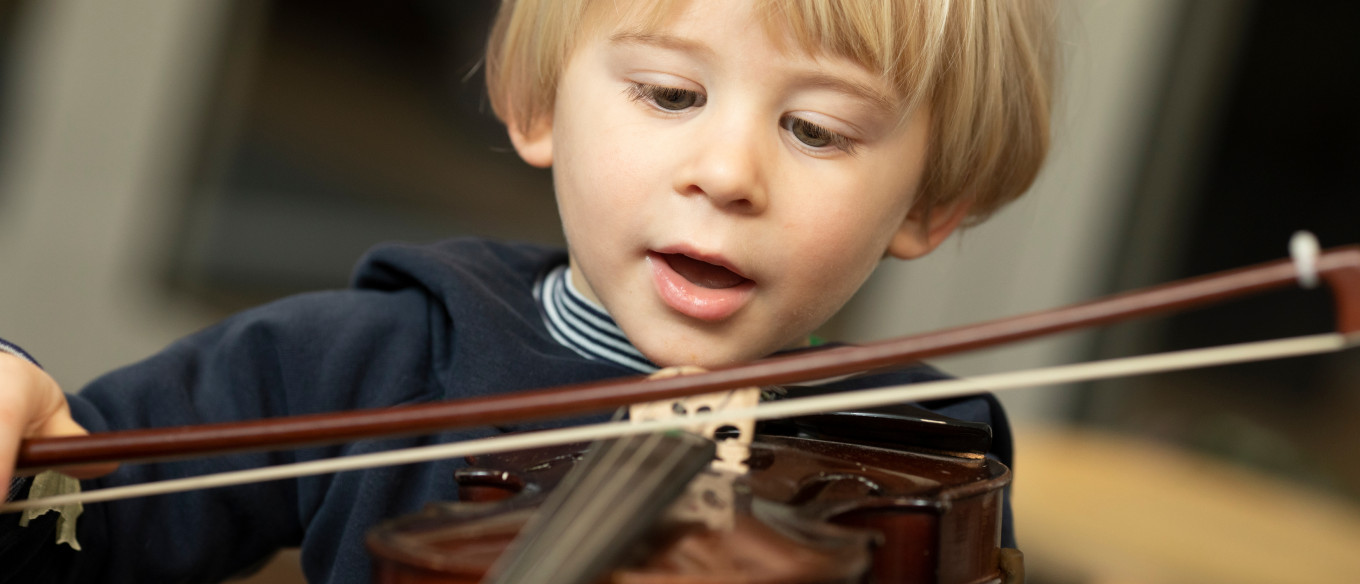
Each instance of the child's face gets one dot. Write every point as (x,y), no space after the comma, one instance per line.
(722,197)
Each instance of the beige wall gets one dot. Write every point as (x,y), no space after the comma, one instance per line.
(97,137)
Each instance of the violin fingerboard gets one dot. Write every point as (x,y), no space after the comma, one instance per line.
(602,508)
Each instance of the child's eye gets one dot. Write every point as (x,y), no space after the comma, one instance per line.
(816,136)
(671,99)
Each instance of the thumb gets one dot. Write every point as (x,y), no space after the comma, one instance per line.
(59,424)
(32,405)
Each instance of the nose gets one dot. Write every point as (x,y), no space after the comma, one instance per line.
(726,163)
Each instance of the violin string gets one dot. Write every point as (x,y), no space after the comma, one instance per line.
(631,499)
(599,490)
(1121,367)
(607,453)
(632,492)
(558,557)
(589,529)
(604,453)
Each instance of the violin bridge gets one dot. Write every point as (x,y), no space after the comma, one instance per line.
(733,437)
(710,498)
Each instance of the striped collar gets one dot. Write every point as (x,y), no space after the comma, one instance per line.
(583,326)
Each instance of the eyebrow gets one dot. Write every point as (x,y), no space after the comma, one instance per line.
(664,41)
(862,91)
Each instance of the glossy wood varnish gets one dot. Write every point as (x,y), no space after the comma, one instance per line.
(809,511)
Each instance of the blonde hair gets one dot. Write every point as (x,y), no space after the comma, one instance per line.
(984,67)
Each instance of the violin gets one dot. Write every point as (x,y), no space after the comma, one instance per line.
(1339,268)
(897,494)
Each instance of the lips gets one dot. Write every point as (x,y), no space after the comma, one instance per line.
(698,288)
(702,273)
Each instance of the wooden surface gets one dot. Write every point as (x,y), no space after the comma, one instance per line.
(1100,508)
(283,569)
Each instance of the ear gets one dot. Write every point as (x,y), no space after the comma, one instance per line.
(914,238)
(535,146)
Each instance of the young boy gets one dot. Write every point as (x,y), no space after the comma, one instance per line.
(728,172)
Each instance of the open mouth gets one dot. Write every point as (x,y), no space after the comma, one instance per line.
(702,273)
(697,288)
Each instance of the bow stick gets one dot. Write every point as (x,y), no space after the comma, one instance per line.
(1339,268)
(780,409)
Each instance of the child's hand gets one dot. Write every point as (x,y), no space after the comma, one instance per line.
(33,406)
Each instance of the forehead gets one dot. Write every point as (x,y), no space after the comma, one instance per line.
(782,20)
(881,36)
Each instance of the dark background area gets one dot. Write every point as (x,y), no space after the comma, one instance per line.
(344,123)
(1280,152)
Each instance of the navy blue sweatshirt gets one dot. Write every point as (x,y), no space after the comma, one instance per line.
(456,319)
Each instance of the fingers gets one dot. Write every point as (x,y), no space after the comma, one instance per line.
(61,423)
(32,405)
(10,434)
(16,394)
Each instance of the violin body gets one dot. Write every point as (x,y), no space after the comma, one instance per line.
(809,510)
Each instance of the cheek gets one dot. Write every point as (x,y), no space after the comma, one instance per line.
(829,262)
(837,269)
(852,223)
(838,246)
(586,166)
(602,175)
(590,143)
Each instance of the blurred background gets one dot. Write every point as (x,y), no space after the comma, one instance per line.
(163,164)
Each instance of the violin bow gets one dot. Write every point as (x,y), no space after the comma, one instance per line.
(1339,268)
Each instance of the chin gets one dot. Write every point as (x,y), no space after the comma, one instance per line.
(703,354)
